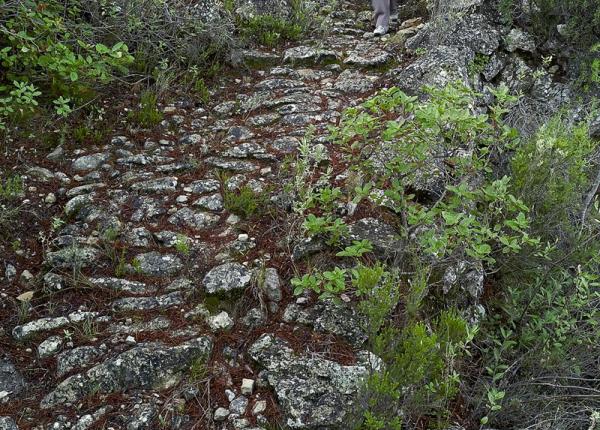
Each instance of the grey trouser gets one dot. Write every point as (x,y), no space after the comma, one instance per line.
(383,9)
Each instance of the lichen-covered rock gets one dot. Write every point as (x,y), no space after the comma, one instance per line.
(76,358)
(227,278)
(438,67)
(122,285)
(368,55)
(157,264)
(148,303)
(518,39)
(12,382)
(328,317)
(72,257)
(193,219)
(89,162)
(383,237)
(161,185)
(313,392)
(151,366)
(594,128)
(7,423)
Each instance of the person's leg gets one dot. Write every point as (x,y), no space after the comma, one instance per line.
(394,7)
(381,9)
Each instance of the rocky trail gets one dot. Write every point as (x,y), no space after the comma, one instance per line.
(139,301)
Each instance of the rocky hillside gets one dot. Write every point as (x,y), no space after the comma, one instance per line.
(150,283)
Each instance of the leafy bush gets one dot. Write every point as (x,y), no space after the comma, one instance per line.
(44,55)
(541,338)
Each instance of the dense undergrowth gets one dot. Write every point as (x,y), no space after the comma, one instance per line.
(490,300)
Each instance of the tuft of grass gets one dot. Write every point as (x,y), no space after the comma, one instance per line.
(148,115)
(244,201)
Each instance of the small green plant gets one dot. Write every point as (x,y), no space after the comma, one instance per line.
(182,244)
(244,201)
(478,64)
(11,188)
(148,114)
(198,371)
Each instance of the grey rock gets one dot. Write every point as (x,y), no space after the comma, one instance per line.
(24,331)
(594,128)
(350,81)
(221,321)
(11,380)
(279,84)
(187,217)
(383,237)
(161,185)
(312,392)
(213,202)
(139,237)
(151,366)
(72,257)
(272,285)
(87,421)
(148,303)
(254,318)
(192,139)
(53,282)
(76,358)
(143,416)
(307,54)
(518,39)
(155,324)
(85,189)
(237,134)
(368,55)
(234,165)
(157,264)
(468,276)
(238,405)
(122,285)
(7,423)
(57,154)
(89,162)
(76,203)
(247,149)
(328,317)
(50,346)
(205,186)
(40,173)
(438,67)
(226,278)
(221,414)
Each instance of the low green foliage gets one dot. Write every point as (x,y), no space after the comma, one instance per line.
(11,188)
(46,58)
(148,114)
(244,201)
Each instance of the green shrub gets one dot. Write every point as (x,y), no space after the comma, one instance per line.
(45,56)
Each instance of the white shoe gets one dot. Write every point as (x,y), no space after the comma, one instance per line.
(380,30)
(394,18)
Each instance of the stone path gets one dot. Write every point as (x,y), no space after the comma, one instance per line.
(156,307)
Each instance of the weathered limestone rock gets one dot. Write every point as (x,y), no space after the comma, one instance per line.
(152,366)
(312,392)
(226,278)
